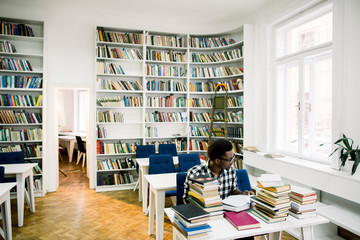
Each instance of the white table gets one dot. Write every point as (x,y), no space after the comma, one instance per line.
(69,143)
(81,134)
(22,171)
(159,183)
(6,209)
(222,229)
(143,183)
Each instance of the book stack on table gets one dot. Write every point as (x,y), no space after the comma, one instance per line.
(204,194)
(272,201)
(303,203)
(191,221)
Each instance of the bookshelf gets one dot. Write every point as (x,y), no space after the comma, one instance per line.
(21,89)
(164,92)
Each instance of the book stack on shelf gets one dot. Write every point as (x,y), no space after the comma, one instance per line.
(204,194)
(272,199)
(303,203)
(191,221)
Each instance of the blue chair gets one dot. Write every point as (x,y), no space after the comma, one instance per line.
(168,149)
(243,180)
(180,179)
(11,158)
(159,164)
(188,160)
(143,151)
(2,173)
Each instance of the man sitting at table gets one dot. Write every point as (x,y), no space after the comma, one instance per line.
(220,166)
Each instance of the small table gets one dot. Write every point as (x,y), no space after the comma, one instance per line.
(222,228)
(143,184)
(22,171)
(6,209)
(159,183)
(69,143)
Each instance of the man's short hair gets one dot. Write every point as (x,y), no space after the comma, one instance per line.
(218,148)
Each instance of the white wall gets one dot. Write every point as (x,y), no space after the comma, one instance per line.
(65,109)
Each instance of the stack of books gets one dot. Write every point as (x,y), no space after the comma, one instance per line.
(204,193)
(272,199)
(303,203)
(236,203)
(191,221)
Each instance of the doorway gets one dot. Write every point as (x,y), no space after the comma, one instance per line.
(72,111)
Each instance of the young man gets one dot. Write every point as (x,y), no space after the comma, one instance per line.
(219,165)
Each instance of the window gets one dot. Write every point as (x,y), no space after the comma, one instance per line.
(80,109)
(303,85)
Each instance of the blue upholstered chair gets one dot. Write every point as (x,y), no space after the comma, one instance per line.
(11,158)
(188,160)
(168,149)
(180,179)
(2,173)
(143,151)
(243,180)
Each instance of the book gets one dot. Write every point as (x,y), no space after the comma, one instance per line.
(204,180)
(278,207)
(302,194)
(303,215)
(188,224)
(302,207)
(270,180)
(266,218)
(186,234)
(191,212)
(242,220)
(276,189)
(236,203)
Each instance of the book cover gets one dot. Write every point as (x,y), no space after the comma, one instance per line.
(191,212)
(242,220)
(266,218)
(204,179)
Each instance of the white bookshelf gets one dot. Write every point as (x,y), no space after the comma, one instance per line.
(165,74)
(29,50)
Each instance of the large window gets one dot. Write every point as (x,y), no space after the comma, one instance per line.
(303,86)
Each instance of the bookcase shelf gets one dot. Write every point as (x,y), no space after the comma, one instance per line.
(165,75)
(26,54)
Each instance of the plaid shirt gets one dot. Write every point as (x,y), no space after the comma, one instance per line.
(227,179)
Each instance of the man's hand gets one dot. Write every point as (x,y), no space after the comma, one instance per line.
(246,192)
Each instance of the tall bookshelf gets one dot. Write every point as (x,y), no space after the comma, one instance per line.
(21,89)
(162,92)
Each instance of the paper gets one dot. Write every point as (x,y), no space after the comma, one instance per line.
(237,200)
(270,180)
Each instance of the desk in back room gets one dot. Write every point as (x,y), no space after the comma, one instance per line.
(69,142)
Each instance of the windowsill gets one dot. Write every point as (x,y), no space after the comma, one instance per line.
(313,174)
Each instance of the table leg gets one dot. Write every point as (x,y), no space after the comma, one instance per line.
(20,188)
(275,236)
(31,193)
(160,204)
(140,184)
(151,211)
(71,150)
(145,186)
(7,218)
(307,233)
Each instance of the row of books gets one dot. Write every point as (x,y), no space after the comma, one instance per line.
(201,102)
(164,71)
(120,101)
(16,29)
(165,56)
(168,85)
(232,116)
(166,101)
(235,101)
(217,56)
(165,41)
(221,71)
(119,53)
(29,151)
(115,163)
(232,85)
(151,131)
(38,185)
(165,116)
(15,64)
(7,47)
(13,117)
(37,170)
(11,81)
(109,84)
(196,145)
(8,134)
(118,37)
(235,132)
(114,178)
(210,42)
(115,148)
(102,133)
(20,100)
(205,131)
(109,116)
(109,68)
(181,144)
(200,131)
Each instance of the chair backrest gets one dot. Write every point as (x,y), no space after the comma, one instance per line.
(2,173)
(168,149)
(80,144)
(144,151)
(243,180)
(12,157)
(180,179)
(188,160)
(161,164)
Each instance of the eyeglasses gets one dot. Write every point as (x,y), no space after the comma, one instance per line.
(229,160)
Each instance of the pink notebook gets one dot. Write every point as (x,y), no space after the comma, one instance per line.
(242,220)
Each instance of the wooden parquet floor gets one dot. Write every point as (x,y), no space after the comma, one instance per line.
(75,212)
